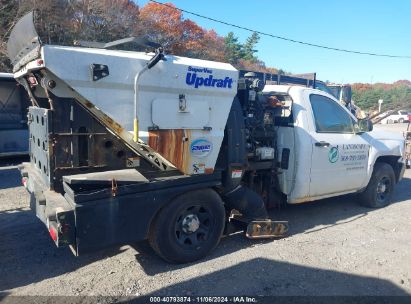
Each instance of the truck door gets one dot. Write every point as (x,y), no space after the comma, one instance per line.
(340,156)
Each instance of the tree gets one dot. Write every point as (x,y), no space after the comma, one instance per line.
(243,55)
(52,19)
(233,49)
(210,47)
(104,20)
(249,47)
(179,36)
(164,25)
(62,22)
(214,45)
(8,14)
(395,95)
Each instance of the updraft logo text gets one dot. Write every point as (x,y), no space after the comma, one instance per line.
(192,79)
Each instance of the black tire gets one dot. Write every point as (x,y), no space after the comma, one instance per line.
(380,188)
(171,235)
(401,120)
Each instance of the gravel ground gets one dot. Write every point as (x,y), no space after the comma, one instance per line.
(335,247)
(396,127)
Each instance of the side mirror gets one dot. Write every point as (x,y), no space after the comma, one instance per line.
(365,125)
(346,94)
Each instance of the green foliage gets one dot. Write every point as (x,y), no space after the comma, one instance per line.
(395,95)
(249,47)
(236,52)
(63,22)
(8,13)
(233,49)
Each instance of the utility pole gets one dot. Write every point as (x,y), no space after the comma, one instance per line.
(380,101)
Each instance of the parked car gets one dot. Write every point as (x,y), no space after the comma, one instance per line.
(396,117)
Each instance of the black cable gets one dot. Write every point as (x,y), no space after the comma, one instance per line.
(280,37)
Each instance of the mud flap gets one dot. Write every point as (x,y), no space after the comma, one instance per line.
(260,229)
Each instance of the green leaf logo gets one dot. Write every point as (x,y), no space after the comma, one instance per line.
(333,154)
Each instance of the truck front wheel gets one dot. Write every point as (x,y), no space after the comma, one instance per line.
(380,189)
(188,227)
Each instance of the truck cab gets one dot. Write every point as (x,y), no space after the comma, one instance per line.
(332,152)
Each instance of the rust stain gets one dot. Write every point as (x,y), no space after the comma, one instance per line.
(88,104)
(173,145)
(112,124)
(105,118)
(209,170)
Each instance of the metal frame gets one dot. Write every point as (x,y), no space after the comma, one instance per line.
(284,79)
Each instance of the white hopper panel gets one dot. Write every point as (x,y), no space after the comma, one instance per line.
(190,139)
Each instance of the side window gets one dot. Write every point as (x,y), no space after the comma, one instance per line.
(329,116)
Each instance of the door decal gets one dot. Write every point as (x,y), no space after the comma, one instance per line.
(355,156)
(333,155)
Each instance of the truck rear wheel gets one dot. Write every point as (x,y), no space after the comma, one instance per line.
(189,227)
(380,189)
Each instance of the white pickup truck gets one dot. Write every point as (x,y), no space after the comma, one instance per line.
(332,153)
(127,146)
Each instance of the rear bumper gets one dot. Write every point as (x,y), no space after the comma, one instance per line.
(50,207)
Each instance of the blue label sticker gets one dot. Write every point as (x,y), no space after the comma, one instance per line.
(201,147)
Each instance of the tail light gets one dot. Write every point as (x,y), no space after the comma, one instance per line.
(24,181)
(53,233)
(32,80)
(61,229)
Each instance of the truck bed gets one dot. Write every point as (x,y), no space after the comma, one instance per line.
(107,208)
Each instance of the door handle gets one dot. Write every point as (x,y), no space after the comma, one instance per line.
(322,144)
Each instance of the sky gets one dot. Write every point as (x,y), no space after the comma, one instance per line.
(377,26)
